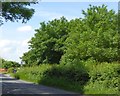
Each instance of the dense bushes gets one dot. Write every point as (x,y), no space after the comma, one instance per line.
(73,73)
(33,74)
(104,79)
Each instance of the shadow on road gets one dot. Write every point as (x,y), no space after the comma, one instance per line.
(14,87)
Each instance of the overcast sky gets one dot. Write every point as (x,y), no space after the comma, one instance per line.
(14,36)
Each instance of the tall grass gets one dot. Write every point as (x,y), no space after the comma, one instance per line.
(32,74)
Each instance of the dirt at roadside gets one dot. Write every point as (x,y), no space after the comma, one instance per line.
(2,70)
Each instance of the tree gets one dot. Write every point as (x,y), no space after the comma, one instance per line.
(8,64)
(29,58)
(47,46)
(15,11)
(94,37)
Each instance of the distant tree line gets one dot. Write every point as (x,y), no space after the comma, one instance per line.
(8,64)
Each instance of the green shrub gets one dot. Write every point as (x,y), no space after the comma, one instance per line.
(104,79)
(33,74)
(10,70)
(99,88)
(62,83)
(74,73)
(16,76)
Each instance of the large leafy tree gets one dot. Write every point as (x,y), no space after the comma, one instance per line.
(94,37)
(15,11)
(47,46)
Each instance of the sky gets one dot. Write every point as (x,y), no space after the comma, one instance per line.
(14,36)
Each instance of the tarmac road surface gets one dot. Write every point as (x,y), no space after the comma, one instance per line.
(14,86)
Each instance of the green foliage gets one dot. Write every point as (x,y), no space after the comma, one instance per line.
(10,70)
(62,83)
(1,60)
(73,73)
(16,76)
(99,17)
(29,58)
(15,11)
(33,74)
(9,64)
(104,78)
(94,37)
(47,46)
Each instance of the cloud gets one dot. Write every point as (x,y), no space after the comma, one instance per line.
(7,48)
(5,43)
(12,50)
(24,28)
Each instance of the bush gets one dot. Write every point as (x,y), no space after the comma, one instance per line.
(104,78)
(74,73)
(33,74)
(16,76)
(62,83)
(10,70)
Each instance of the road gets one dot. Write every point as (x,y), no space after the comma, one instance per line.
(14,86)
